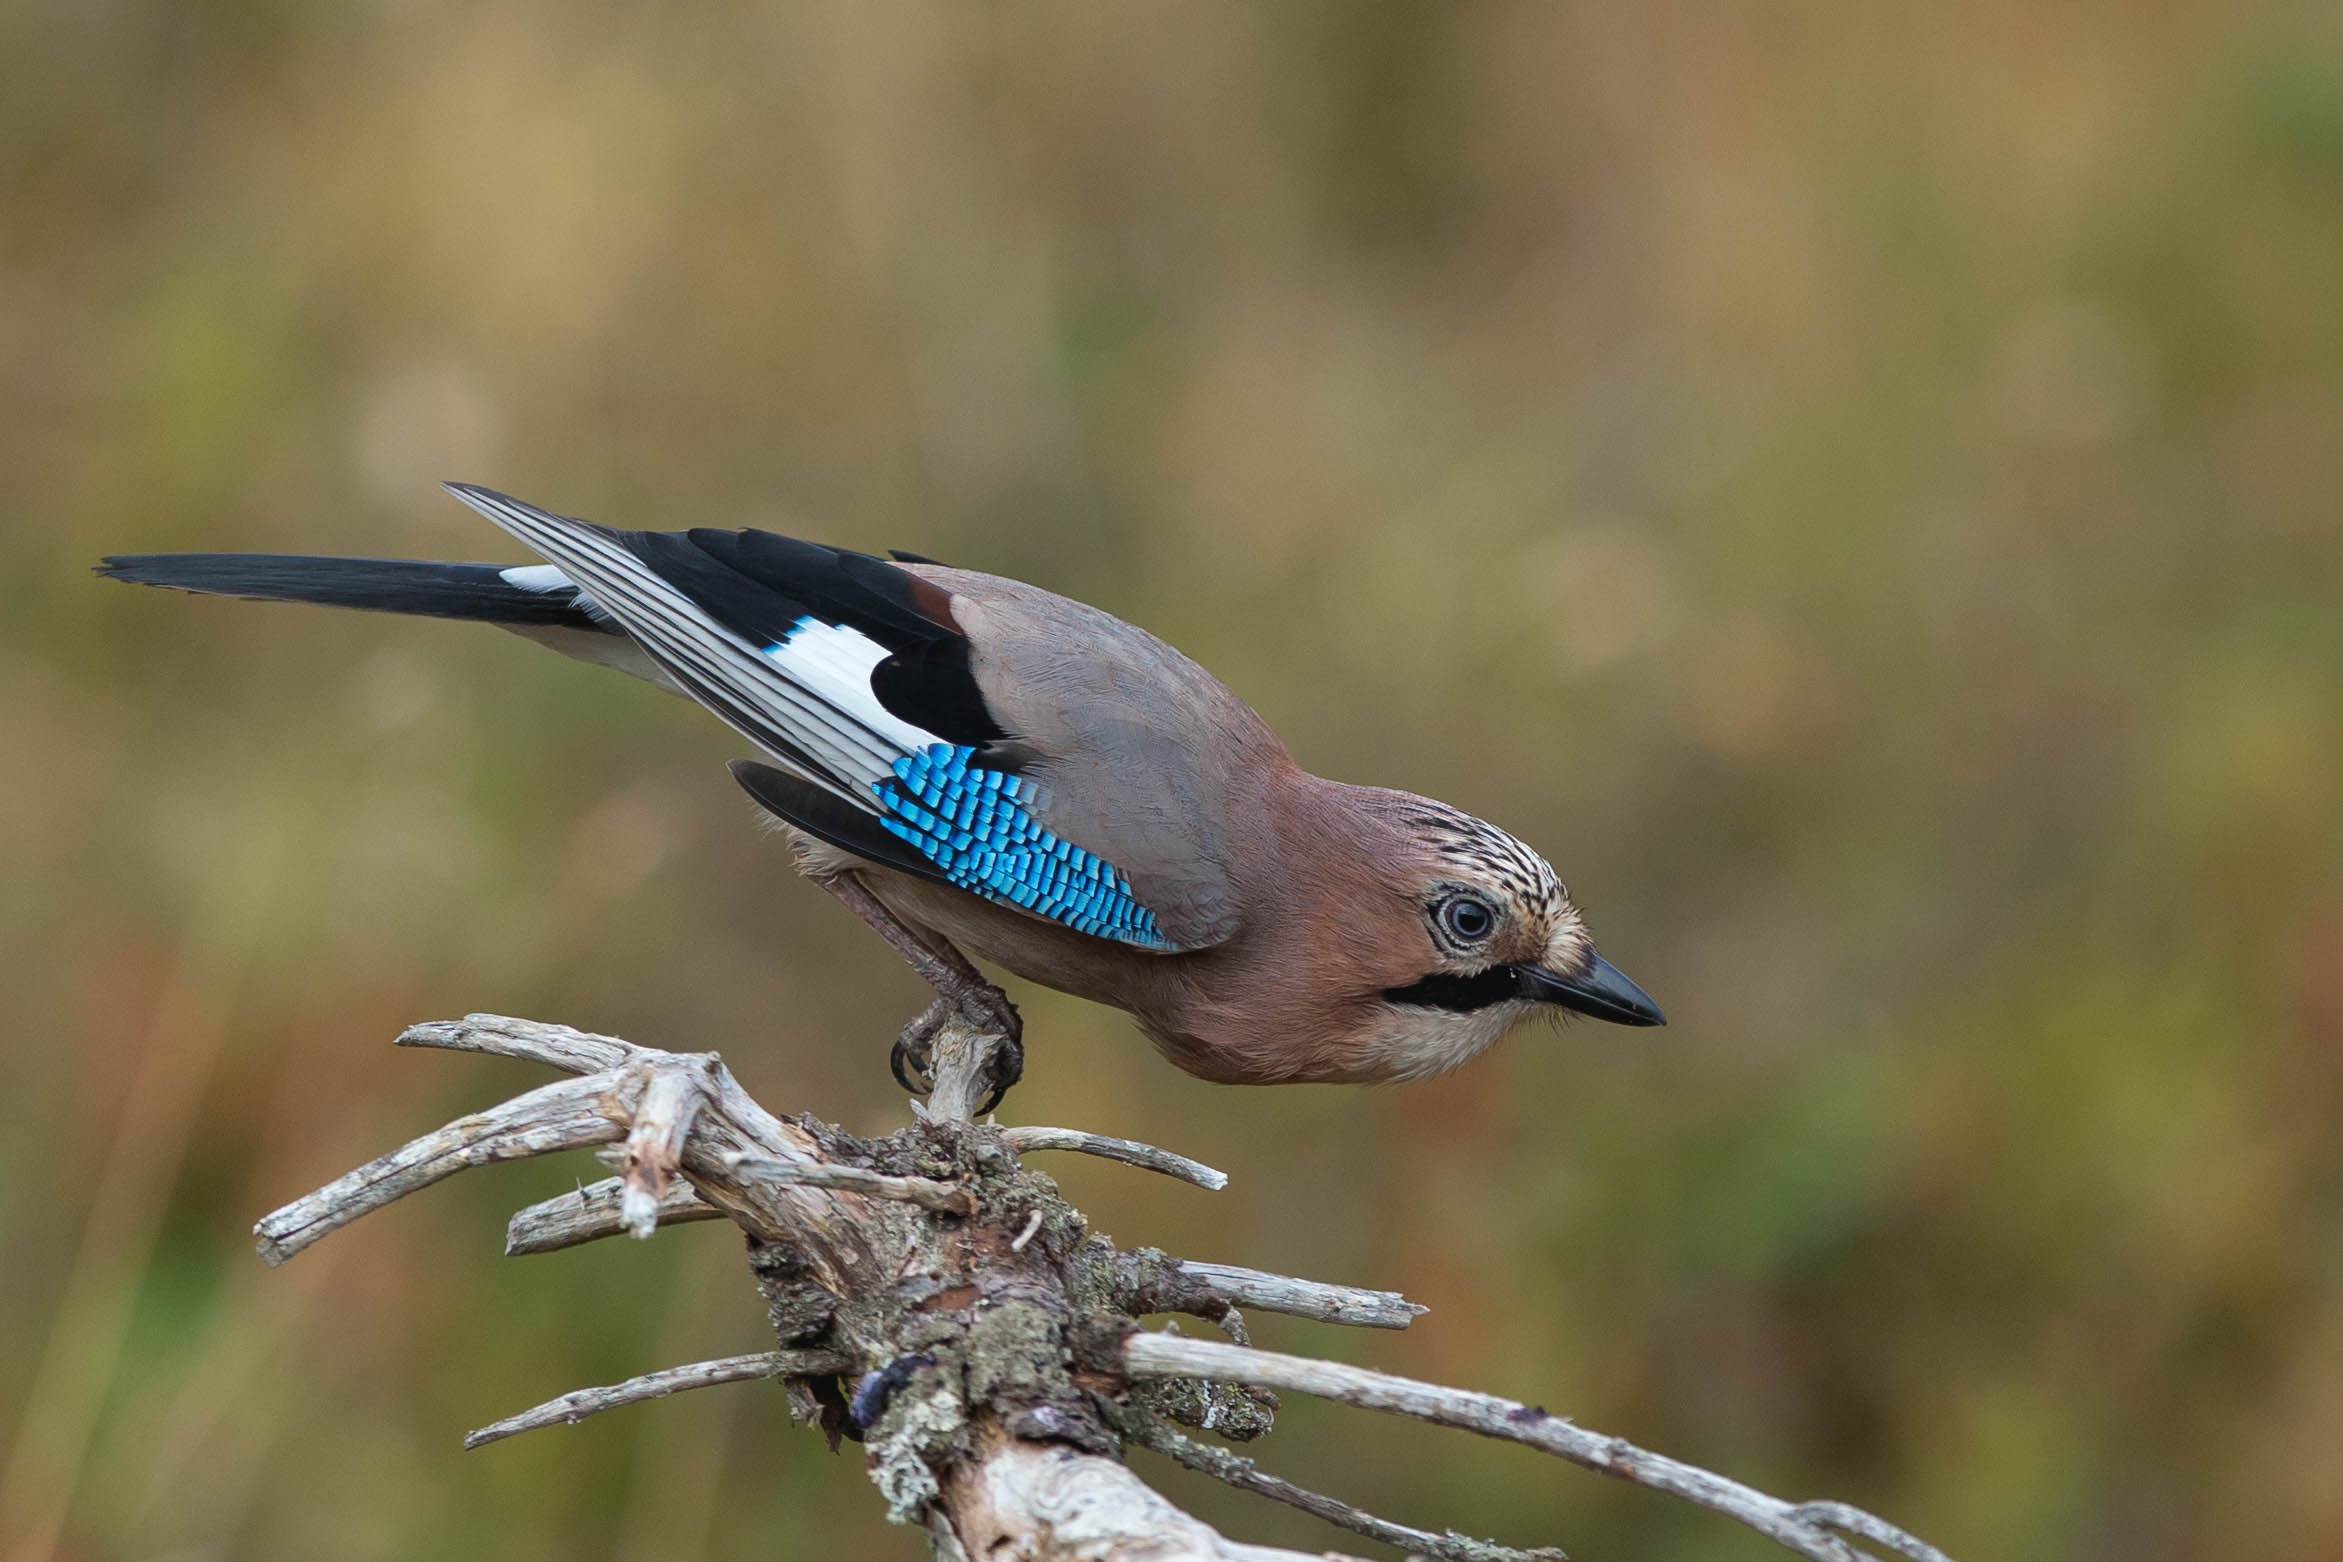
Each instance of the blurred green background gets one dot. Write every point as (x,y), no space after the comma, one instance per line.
(1855,484)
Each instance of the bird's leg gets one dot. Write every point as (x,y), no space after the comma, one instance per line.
(940,965)
(959,985)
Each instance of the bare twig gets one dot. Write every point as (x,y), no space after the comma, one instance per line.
(1129,1151)
(568,1114)
(556,1046)
(1799,1528)
(670,1100)
(961,1058)
(1238,1471)
(584,1052)
(598,1109)
(943,1197)
(1307,1298)
(1854,1521)
(573,1407)
(592,1212)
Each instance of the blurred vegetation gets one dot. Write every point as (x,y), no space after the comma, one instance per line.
(1855,484)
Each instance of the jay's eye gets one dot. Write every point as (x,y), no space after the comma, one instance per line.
(1467,919)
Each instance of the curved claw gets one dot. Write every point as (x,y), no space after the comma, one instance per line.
(899,1064)
(1008,1068)
(908,1062)
(989,1010)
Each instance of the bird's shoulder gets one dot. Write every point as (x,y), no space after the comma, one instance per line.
(1061,662)
(1139,748)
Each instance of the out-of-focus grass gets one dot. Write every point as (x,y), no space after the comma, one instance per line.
(1857,485)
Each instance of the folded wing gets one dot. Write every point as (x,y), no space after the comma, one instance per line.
(858,679)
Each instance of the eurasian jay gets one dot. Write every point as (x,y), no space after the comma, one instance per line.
(977,765)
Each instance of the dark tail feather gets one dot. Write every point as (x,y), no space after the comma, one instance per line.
(475,591)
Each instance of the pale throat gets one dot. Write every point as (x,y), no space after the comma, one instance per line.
(1404,1042)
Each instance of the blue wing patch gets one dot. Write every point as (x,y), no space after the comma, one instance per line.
(973,824)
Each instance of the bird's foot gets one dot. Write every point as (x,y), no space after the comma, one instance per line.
(1008,1067)
(986,1010)
(909,1061)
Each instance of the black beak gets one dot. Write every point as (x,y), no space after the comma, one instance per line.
(1604,992)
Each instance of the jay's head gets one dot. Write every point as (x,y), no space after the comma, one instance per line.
(1493,940)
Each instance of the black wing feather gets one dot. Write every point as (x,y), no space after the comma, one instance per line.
(760,611)
(759,584)
(827,817)
(934,686)
(840,585)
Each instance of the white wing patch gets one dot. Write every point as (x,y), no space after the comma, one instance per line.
(537,577)
(833,663)
(544,578)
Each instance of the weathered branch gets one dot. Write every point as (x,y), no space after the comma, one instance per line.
(556,1046)
(575,1406)
(592,1212)
(1804,1528)
(1034,1503)
(661,1123)
(1851,1520)
(925,1192)
(1242,1473)
(1307,1298)
(563,1116)
(962,1058)
(1129,1151)
(940,1302)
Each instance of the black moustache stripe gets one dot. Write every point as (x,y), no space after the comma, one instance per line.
(1460,994)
